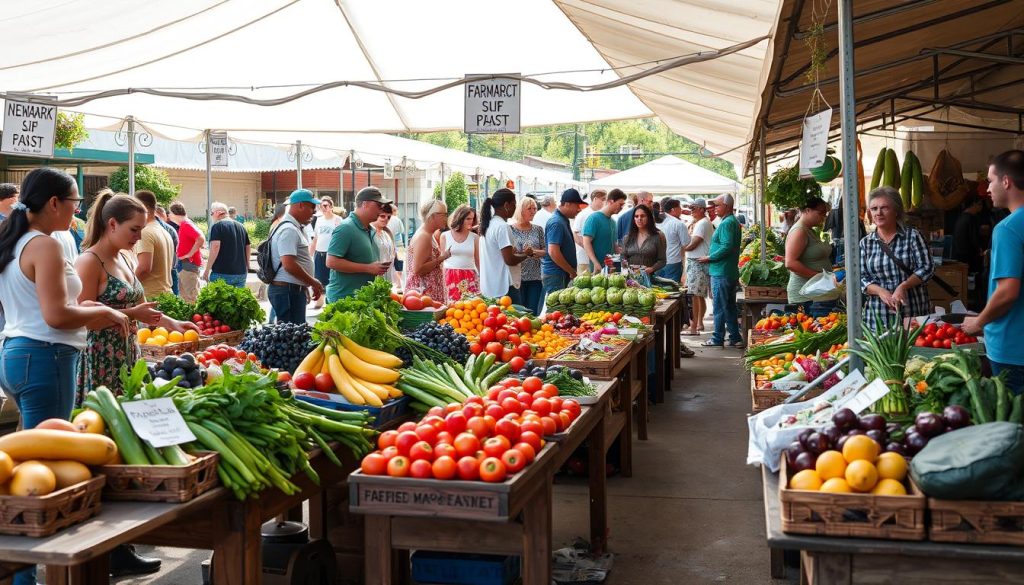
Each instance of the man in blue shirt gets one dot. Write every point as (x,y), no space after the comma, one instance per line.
(558,268)
(1003,315)
(8,195)
(626,219)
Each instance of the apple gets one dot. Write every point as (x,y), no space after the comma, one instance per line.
(306,381)
(324,382)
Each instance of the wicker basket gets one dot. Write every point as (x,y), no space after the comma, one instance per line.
(597,369)
(44,515)
(765,293)
(158,352)
(161,483)
(976,522)
(232,338)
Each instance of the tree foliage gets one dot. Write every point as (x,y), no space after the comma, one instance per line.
(70,130)
(455,191)
(149,179)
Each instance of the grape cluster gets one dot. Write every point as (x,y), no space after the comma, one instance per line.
(282,346)
(440,337)
(184,365)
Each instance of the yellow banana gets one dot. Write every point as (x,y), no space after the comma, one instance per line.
(342,382)
(311,363)
(380,390)
(368,395)
(371,356)
(394,392)
(365,371)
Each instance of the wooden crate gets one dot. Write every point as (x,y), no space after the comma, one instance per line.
(44,515)
(852,515)
(159,352)
(976,522)
(766,293)
(765,399)
(161,483)
(597,369)
(757,336)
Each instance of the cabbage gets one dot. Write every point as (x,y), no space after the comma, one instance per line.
(582,281)
(614,296)
(617,280)
(629,297)
(552,298)
(599,280)
(646,299)
(583,296)
(598,295)
(566,295)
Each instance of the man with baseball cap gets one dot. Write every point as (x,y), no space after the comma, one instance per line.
(353,256)
(559,266)
(289,249)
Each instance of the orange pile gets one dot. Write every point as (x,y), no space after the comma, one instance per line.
(547,341)
(467,316)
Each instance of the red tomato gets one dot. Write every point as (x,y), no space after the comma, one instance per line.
(217,323)
(478,426)
(512,404)
(475,348)
(386,439)
(466,444)
(452,407)
(491,422)
(930,328)
(374,464)
(304,381)
(422,469)
(487,335)
(512,382)
(455,422)
(529,454)
(405,441)
(413,303)
(556,315)
(398,466)
(492,470)
(532,439)
(472,409)
(501,335)
(474,400)
(506,393)
(493,310)
(495,348)
(549,390)
(556,403)
(494,410)
(442,449)
(490,322)
(514,339)
(241,355)
(407,426)
(428,433)
(509,429)
(541,405)
(323,383)
(468,468)
(531,426)
(947,343)
(532,384)
(495,446)
(444,467)
(435,411)
(390,452)
(550,427)
(937,344)
(197,318)
(507,353)
(525,398)
(516,364)
(222,354)
(919,342)
(524,351)
(566,419)
(523,324)
(444,437)
(572,406)
(501,318)
(940,334)
(253,358)
(514,460)
(492,392)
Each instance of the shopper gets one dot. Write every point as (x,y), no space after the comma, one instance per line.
(233,214)
(595,204)
(967,247)
(698,275)
(425,258)
(527,286)
(558,267)
(807,256)
(385,241)
(788,221)
(547,209)
(189,252)
(322,231)
(1002,319)
(723,260)
(278,214)
(625,220)
(677,237)
(462,268)
(229,249)
(8,197)
(353,256)
(294,283)
(599,233)
(497,253)
(161,218)
(155,252)
(644,245)
(397,227)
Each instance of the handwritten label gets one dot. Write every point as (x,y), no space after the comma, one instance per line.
(158,421)
(29,128)
(492,106)
(417,500)
(219,149)
(867,396)
(814,142)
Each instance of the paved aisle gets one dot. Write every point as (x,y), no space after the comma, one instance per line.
(692,512)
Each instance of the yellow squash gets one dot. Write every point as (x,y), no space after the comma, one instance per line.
(87,448)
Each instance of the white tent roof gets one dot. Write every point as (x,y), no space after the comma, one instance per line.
(269,49)
(668,174)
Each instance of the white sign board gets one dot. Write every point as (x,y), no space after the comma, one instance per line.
(492,106)
(158,421)
(29,128)
(814,142)
(218,149)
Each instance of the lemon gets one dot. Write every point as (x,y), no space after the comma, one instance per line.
(830,465)
(891,466)
(160,331)
(158,340)
(805,480)
(889,487)
(144,334)
(175,337)
(861,475)
(860,448)
(836,485)
(191,335)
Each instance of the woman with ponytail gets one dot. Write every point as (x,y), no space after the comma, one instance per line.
(497,250)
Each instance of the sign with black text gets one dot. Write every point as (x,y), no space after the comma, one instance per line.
(158,421)
(492,106)
(814,141)
(29,128)
(218,149)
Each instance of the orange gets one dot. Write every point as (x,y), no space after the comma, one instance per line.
(830,464)
(175,337)
(836,485)
(144,334)
(506,301)
(891,466)
(860,448)
(191,335)
(805,480)
(889,487)
(861,475)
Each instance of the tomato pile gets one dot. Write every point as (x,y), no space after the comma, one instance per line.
(943,336)
(415,301)
(216,355)
(208,325)
(486,438)
(799,321)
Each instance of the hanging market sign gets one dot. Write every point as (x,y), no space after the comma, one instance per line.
(29,128)
(814,142)
(492,106)
(218,149)
(158,421)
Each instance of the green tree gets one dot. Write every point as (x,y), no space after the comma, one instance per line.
(70,130)
(149,179)
(455,191)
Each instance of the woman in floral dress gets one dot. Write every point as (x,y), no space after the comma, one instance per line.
(529,292)
(424,257)
(108,278)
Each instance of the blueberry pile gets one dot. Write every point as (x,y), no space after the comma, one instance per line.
(184,365)
(443,338)
(282,346)
(531,369)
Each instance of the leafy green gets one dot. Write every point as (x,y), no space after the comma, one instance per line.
(237,307)
(374,296)
(771,273)
(786,190)
(174,307)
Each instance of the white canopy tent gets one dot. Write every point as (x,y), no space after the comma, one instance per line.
(668,175)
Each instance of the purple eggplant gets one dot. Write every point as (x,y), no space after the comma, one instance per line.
(915,442)
(804,461)
(872,421)
(792,451)
(956,417)
(895,447)
(845,419)
(802,437)
(929,424)
(878,435)
(832,432)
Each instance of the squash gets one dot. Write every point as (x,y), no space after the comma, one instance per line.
(6,467)
(58,424)
(32,478)
(89,421)
(86,448)
(68,473)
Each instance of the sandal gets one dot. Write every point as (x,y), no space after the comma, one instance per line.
(689,333)
(738,345)
(710,343)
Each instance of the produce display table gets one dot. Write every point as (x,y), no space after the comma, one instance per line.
(852,561)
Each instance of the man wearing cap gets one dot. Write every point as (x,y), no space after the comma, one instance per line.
(559,266)
(229,249)
(289,250)
(353,256)
(698,277)
(596,203)
(676,238)
(723,262)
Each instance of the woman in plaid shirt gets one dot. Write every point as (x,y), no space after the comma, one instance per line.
(893,291)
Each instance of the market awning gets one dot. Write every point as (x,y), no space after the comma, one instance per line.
(668,175)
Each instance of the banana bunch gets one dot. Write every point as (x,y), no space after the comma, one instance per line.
(361,374)
(909,181)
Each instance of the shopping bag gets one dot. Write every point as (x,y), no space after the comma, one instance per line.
(822,287)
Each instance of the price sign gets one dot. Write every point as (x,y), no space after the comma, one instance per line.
(29,128)
(492,106)
(158,421)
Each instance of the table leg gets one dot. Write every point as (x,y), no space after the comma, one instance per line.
(777,563)
(626,436)
(88,573)
(237,556)
(378,560)
(659,363)
(596,450)
(536,538)
(642,404)
(826,568)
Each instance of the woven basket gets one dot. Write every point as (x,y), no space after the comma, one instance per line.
(161,483)
(157,352)
(44,515)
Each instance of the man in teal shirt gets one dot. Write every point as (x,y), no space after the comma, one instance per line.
(599,231)
(724,259)
(353,256)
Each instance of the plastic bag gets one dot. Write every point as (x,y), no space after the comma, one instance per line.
(822,287)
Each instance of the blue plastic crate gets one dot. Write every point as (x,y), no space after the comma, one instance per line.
(391,410)
(463,569)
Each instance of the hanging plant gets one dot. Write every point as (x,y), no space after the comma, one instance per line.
(786,190)
(815,42)
(70,130)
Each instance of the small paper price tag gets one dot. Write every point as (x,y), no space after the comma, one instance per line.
(158,421)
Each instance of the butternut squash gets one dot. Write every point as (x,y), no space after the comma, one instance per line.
(87,448)
(68,473)
(32,478)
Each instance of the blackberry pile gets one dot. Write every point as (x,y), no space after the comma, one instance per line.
(282,346)
(442,338)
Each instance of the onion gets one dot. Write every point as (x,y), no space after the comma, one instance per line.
(845,419)
(956,417)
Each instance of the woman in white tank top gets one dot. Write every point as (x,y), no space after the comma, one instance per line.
(462,268)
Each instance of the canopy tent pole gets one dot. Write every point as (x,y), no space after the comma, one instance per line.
(352,167)
(404,188)
(851,189)
(298,164)
(443,194)
(209,179)
(131,154)
(341,184)
(763,166)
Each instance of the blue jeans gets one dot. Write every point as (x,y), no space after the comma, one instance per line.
(320,269)
(531,295)
(673,272)
(553,282)
(288,302)
(235,280)
(40,377)
(1013,375)
(174,278)
(723,290)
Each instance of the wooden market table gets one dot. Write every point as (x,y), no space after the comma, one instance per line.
(827,560)
(667,327)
